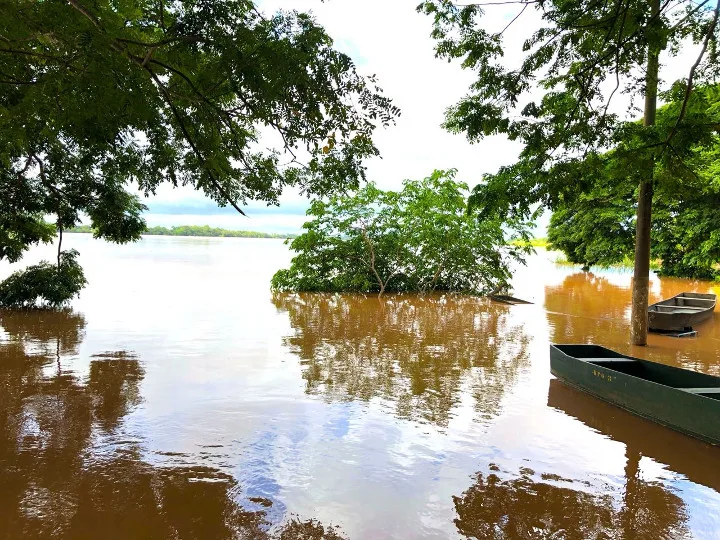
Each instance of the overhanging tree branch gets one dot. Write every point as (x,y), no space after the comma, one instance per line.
(188,138)
(688,88)
(82,9)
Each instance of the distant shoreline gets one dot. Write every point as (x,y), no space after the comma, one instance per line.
(203,231)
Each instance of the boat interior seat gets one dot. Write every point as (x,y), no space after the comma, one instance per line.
(678,309)
(604,360)
(701,390)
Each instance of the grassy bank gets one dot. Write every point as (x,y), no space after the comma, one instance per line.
(535,242)
(625,264)
(194,230)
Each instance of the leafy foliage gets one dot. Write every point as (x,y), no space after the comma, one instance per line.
(95,97)
(418,239)
(687,237)
(99,99)
(44,284)
(19,231)
(596,225)
(597,231)
(580,50)
(558,102)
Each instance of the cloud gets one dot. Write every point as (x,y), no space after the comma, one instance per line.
(186,206)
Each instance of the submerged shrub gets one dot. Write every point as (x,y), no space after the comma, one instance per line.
(418,239)
(44,284)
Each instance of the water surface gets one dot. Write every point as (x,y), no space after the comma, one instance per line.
(180,398)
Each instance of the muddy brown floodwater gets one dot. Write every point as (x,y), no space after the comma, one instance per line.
(179,398)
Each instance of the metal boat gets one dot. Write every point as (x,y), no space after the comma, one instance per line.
(681,312)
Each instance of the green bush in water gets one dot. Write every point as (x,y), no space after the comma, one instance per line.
(44,284)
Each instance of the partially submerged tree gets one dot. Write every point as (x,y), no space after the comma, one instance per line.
(583,55)
(44,284)
(98,97)
(417,239)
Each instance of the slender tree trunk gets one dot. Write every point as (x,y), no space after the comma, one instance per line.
(641,277)
(433,283)
(368,243)
(60,229)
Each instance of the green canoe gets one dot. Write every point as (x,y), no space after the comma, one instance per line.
(678,398)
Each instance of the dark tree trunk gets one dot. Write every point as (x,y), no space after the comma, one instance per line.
(641,277)
(60,229)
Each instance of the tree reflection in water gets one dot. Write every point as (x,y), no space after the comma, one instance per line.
(113,386)
(420,352)
(532,506)
(586,308)
(55,483)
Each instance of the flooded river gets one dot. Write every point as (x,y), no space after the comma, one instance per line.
(179,398)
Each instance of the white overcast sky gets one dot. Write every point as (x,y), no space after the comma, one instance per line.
(390,39)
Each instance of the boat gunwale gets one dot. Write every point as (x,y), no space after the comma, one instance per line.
(711,297)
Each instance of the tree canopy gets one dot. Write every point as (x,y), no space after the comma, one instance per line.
(416,239)
(560,102)
(214,94)
(596,225)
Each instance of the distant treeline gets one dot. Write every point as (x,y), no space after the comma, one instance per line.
(194,230)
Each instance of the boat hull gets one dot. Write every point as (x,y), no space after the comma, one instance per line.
(682,312)
(665,394)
